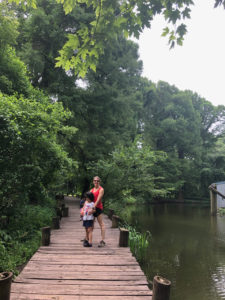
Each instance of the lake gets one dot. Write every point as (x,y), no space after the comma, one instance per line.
(187,247)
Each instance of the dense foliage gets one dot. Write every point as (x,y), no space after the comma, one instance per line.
(133,172)
(87,41)
(20,237)
(32,160)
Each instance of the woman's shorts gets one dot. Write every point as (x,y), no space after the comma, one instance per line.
(88,223)
(98,211)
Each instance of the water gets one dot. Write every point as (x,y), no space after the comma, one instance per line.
(188,248)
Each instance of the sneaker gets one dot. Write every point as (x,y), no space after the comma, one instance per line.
(87,245)
(101,244)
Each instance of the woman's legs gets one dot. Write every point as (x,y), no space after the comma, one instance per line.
(102,226)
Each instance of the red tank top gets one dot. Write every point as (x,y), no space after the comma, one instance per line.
(96,193)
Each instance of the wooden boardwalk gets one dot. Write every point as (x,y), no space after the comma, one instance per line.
(65,270)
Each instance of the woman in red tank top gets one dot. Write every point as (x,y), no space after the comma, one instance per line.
(98,192)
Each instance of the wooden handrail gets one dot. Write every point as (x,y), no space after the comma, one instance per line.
(212,187)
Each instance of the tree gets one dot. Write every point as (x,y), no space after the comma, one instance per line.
(43,32)
(13,73)
(170,118)
(132,172)
(212,132)
(112,18)
(32,160)
(186,127)
(106,112)
(171,124)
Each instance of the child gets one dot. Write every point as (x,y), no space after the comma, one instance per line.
(88,218)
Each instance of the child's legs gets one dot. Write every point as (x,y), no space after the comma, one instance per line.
(86,231)
(89,230)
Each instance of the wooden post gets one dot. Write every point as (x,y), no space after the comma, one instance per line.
(5,285)
(161,288)
(213,201)
(56,222)
(111,213)
(46,233)
(59,212)
(65,212)
(124,237)
(115,221)
(59,199)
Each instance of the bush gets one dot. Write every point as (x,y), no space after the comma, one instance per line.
(22,237)
(133,173)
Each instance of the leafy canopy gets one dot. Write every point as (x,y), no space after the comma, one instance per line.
(133,171)
(86,42)
(32,160)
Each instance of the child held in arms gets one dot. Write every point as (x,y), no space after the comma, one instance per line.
(88,218)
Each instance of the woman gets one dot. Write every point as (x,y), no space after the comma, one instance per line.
(98,192)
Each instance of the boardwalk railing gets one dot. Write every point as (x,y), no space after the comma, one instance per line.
(213,198)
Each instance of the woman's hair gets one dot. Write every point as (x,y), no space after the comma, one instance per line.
(97,178)
(89,195)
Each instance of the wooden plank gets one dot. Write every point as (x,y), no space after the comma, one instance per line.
(96,257)
(83,268)
(77,273)
(81,276)
(86,252)
(16,296)
(136,283)
(76,290)
(109,262)
(25,288)
(79,246)
(77,263)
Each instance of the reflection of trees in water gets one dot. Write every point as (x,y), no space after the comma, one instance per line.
(188,248)
(218,274)
(219,281)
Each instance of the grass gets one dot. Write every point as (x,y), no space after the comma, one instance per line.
(138,242)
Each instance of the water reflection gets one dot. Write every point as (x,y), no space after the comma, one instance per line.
(188,248)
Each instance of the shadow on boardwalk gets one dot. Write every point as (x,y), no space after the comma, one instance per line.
(66,270)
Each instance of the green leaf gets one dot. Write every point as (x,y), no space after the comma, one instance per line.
(165,31)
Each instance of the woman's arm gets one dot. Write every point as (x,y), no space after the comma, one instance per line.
(100,196)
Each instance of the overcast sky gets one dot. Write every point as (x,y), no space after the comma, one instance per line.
(198,65)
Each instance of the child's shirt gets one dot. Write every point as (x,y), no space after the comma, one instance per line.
(88,206)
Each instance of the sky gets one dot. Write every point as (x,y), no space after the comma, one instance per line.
(198,65)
